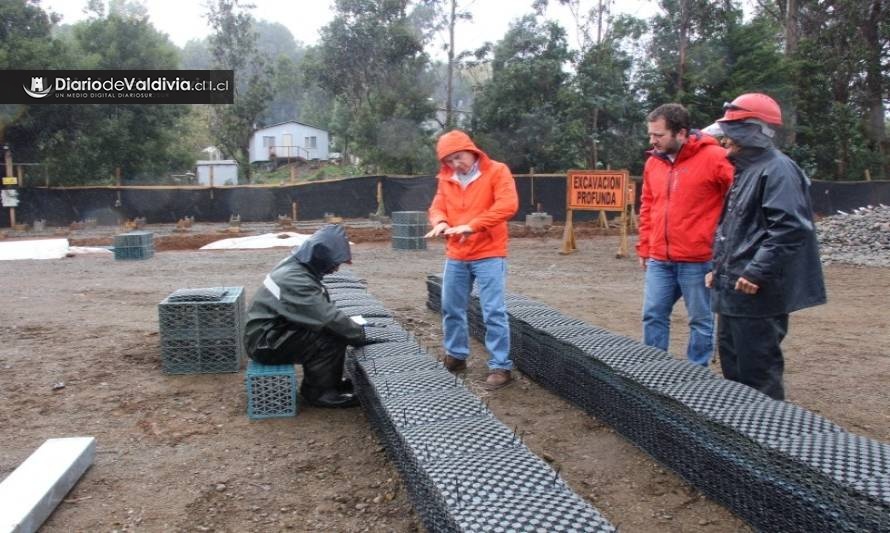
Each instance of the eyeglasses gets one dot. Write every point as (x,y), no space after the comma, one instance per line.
(729,106)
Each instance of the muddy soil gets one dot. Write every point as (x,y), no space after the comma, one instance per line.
(79,356)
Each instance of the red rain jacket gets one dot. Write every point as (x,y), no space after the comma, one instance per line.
(682,200)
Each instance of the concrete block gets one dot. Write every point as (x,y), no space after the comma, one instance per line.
(538,220)
(33,490)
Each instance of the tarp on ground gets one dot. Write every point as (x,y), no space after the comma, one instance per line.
(33,249)
(267,240)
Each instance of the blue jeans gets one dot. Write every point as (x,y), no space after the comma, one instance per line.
(457,282)
(666,281)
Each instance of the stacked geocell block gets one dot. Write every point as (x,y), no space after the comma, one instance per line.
(775,464)
(201,330)
(134,245)
(464,470)
(408,229)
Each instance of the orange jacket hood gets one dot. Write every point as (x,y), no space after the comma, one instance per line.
(457,141)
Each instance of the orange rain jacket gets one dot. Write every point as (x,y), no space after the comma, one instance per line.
(682,200)
(485,205)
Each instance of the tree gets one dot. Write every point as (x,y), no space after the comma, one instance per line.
(521,111)
(371,58)
(25,43)
(838,52)
(443,16)
(687,52)
(234,47)
(611,119)
(86,143)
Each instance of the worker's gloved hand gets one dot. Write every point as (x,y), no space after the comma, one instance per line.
(369,336)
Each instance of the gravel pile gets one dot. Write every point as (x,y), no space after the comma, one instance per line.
(860,238)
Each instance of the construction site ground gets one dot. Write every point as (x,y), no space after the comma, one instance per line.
(79,355)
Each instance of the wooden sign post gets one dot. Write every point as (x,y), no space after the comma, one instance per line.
(9,180)
(595,190)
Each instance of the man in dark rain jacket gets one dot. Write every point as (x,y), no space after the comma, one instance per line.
(292,319)
(766,256)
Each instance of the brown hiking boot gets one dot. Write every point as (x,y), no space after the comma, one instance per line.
(498,379)
(453,364)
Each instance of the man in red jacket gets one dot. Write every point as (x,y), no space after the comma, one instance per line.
(684,182)
(475,198)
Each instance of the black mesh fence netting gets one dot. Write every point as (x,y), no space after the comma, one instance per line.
(350,198)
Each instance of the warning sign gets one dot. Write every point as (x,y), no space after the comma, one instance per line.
(603,190)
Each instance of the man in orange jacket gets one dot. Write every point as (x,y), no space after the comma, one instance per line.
(684,182)
(475,198)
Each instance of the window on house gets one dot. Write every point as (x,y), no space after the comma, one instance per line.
(268,142)
(311,142)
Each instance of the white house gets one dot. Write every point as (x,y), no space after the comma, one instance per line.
(290,139)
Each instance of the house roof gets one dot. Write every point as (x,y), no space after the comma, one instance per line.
(289,122)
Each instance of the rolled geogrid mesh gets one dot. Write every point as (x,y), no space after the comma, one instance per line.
(464,470)
(775,464)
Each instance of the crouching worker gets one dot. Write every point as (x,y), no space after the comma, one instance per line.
(292,320)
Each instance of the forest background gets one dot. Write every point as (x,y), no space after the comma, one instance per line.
(381,82)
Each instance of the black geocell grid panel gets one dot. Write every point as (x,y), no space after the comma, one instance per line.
(773,421)
(432,407)
(877,486)
(404,383)
(568,332)
(738,448)
(551,512)
(343,278)
(386,334)
(492,475)
(367,311)
(462,437)
(541,322)
(843,456)
(354,300)
(591,343)
(662,374)
(413,362)
(628,355)
(418,426)
(387,349)
(709,395)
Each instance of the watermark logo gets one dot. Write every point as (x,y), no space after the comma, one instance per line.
(40,87)
(117,87)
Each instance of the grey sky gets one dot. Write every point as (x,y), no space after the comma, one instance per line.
(185,19)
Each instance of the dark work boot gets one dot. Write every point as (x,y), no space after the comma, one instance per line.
(453,364)
(328,398)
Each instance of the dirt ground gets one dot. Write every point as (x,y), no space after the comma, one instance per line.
(178,453)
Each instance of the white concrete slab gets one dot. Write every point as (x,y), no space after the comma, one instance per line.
(33,490)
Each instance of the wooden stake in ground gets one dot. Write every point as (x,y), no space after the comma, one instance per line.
(622,245)
(381,209)
(568,236)
(603,221)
